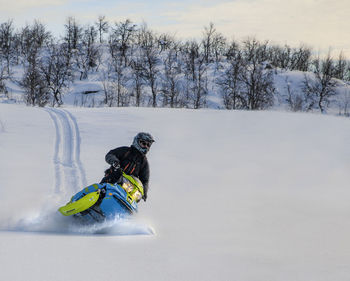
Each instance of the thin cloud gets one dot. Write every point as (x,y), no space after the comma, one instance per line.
(318,23)
(10,6)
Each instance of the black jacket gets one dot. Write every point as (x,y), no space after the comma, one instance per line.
(132,162)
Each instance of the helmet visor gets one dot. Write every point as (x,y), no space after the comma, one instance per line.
(145,144)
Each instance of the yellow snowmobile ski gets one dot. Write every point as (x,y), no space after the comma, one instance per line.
(80,205)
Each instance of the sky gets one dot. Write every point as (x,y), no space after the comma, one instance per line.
(320,24)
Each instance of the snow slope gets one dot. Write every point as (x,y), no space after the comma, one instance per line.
(234,195)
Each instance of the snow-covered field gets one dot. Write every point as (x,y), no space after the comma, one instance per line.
(246,196)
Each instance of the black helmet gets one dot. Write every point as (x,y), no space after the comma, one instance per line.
(142,142)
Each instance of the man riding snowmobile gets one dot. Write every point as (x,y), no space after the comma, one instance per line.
(132,160)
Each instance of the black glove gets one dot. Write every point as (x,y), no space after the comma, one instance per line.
(113,175)
(111,158)
(116,165)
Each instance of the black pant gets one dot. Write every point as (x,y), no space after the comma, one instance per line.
(112,176)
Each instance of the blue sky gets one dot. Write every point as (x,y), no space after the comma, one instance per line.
(321,24)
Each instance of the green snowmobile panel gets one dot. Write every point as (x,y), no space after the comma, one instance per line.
(80,205)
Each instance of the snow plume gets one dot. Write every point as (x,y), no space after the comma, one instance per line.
(52,222)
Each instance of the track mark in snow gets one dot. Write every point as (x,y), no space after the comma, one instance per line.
(69,171)
(76,157)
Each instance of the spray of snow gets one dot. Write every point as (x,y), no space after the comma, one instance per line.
(52,222)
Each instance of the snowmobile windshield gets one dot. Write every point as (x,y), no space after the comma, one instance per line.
(133,187)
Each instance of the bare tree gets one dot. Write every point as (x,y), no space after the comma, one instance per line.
(301,59)
(191,53)
(290,58)
(87,55)
(73,33)
(36,91)
(108,89)
(219,47)
(166,42)
(122,37)
(6,42)
(214,44)
(195,74)
(32,38)
(232,51)
(56,70)
(257,81)
(3,77)
(199,86)
(137,79)
(341,67)
(102,27)
(230,83)
(171,84)
(255,51)
(16,48)
(207,41)
(119,79)
(280,56)
(321,88)
(149,53)
(40,35)
(258,87)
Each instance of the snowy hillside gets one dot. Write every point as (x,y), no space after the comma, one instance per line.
(234,195)
(126,65)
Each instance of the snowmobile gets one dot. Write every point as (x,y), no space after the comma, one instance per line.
(101,201)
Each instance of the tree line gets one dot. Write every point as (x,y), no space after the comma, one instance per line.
(138,67)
